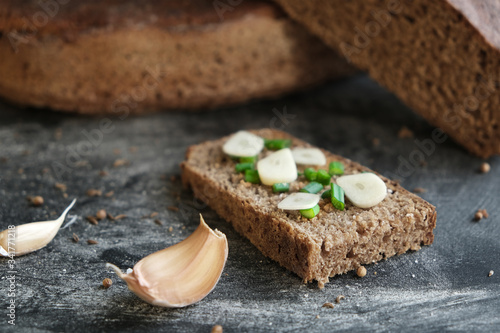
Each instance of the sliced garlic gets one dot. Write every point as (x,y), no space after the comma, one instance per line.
(309,156)
(243,144)
(364,190)
(299,201)
(182,274)
(279,167)
(30,237)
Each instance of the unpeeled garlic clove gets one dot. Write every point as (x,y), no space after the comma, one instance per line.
(30,237)
(182,274)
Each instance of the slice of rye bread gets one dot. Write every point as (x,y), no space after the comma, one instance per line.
(442,57)
(333,242)
(130,56)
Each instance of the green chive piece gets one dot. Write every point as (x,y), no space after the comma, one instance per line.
(276,144)
(310,174)
(337,196)
(281,187)
(310,213)
(323,177)
(312,187)
(252,176)
(326,195)
(249,159)
(241,167)
(336,168)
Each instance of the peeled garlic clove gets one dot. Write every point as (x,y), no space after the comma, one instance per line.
(279,167)
(30,237)
(299,201)
(309,156)
(243,144)
(364,190)
(182,274)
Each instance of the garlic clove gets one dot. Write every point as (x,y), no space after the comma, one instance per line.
(299,201)
(364,190)
(308,156)
(243,144)
(279,167)
(182,274)
(30,237)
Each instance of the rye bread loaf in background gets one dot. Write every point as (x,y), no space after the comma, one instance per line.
(133,56)
(440,57)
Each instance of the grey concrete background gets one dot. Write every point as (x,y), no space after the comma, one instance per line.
(444,286)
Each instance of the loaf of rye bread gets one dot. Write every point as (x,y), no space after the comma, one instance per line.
(333,242)
(133,56)
(441,57)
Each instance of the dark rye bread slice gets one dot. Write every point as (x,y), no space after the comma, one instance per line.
(130,56)
(441,57)
(334,242)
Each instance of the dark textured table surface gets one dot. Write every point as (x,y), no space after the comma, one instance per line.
(444,286)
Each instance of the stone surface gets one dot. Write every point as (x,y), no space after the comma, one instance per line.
(442,286)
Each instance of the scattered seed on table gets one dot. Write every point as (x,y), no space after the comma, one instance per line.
(103,173)
(37,200)
(339,298)
(92,220)
(101,214)
(419,190)
(478,216)
(119,217)
(94,193)
(491,273)
(60,186)
(361,271)
(485,168)
(217,329)
(107,282)
(170,229)
(485,213)
(75,238)
(109,194)
(120,162)
(111,217)
(158,222)
(173,208)
(153,214)
(328,305)
(405,132)
(91,241)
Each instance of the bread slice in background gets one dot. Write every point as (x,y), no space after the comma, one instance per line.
(441,57)
(129,56)
(334,242)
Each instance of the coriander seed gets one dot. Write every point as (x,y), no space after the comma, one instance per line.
(361,271)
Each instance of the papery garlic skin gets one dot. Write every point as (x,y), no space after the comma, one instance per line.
(182,274)
(31,236)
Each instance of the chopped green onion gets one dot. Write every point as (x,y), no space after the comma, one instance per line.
(310,213)
(337,197)
(326,195)
(252,176)
(241,167)
(281,187)
(249,159)
(310,174)
(275,144)
(312,187)
(336,168)
(323,177)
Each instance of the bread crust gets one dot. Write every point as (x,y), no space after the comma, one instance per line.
(128,57)
(442,58)
(334,242)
